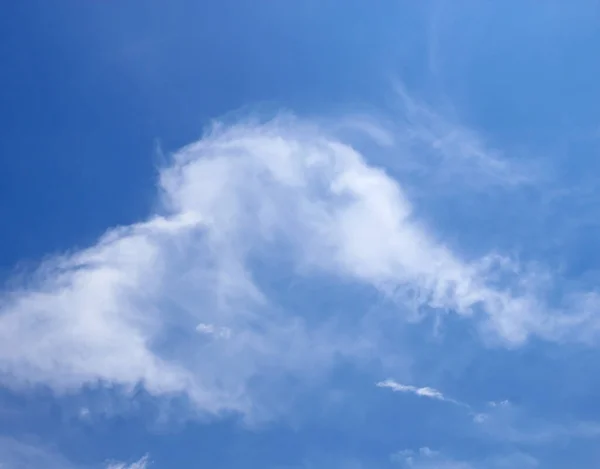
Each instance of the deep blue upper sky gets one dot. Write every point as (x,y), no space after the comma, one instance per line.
(404,274)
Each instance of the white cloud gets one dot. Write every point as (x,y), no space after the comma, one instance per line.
(425,458)
(18,454)
(127,309)
(509,423)
(143,463)
(504,422)
(212,330)
(425,392)
(450,152)
(503,403)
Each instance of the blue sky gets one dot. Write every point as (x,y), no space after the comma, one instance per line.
(299,235)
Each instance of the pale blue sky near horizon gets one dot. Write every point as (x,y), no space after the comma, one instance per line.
(312,234)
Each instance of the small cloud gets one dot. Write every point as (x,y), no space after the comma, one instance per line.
(504,403)
(507,422)
(424,391)
(212,330)
(425,451)
(142,463)
(84,413)
(425,458)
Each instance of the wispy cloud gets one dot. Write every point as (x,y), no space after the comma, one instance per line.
(127,309)
(16,454)
(214,331)
(142,463)
(438,144)
(506,422)
(425,391)
(426,458)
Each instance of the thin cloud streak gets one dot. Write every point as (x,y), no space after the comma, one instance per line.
(142,463)
(438,143)
(504,422)
(427,392)
(426,458)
